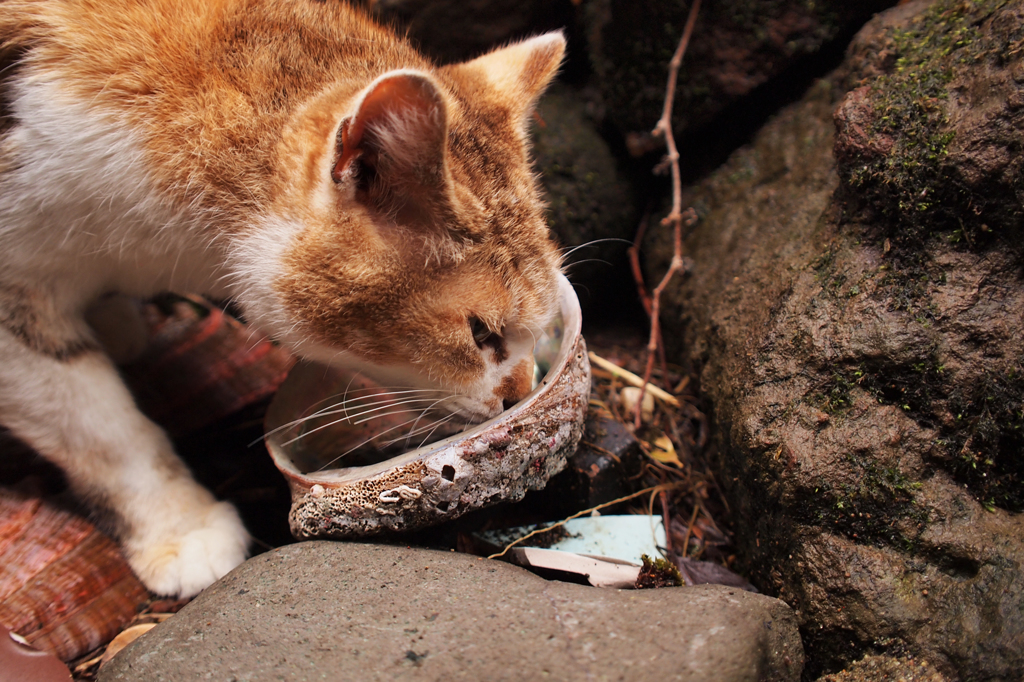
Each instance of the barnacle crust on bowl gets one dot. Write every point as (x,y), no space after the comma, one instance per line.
(340,490)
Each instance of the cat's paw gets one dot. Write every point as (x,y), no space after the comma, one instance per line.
(184,565)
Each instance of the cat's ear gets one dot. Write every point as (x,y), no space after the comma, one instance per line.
(520,72)
(393,146)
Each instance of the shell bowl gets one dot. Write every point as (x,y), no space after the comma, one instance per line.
(64,586)
(496,461)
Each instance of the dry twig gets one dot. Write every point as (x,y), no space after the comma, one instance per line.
(633,379)
(677,216)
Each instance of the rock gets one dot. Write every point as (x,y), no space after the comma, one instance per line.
(931,138)
(454,30)
(353,611)
(885,668)
(866,389)
(589,199)
(737,46)
(606,466)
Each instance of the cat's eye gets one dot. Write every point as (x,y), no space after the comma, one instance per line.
(481,334)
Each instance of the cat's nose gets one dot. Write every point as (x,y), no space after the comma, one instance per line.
(516,384)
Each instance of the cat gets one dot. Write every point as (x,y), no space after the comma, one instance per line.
(359,205)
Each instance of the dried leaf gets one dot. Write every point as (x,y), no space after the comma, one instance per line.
(127,636)
(630,395)
(664,452)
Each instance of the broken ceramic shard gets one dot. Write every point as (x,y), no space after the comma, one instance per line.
(350,470)
(624,537)
(598,571)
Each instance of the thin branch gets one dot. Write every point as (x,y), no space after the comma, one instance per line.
(666,519)
(634,262)
(633,379)
(689,531)
(676,217)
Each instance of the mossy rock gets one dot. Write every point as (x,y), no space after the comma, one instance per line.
(932,137)
(865,389)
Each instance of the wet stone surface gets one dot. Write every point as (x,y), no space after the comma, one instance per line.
(323,610)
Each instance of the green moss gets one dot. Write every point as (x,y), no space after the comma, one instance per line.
(913,387)
(909,182)
(985,441)
(879,507)
(980,425)
(907,104)
(907,281)
(658,573)
(826,273)
(834,397)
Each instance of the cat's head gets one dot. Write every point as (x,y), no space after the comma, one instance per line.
(417,248)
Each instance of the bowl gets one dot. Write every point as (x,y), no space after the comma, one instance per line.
(351,471)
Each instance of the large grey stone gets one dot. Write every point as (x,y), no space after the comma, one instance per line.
(322,610)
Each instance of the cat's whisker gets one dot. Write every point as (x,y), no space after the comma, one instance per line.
(377,416)
(337,407)
(585,260)
(568,251)
(436,427)
(343,408)
(379,410)
(353,449)
(532,336)
(580,285)
(326,426)
(423,414)
(428,407)
(349,416)
(348,387)
(415,431)
(370,392)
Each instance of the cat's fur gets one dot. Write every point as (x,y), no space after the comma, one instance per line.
(361,206)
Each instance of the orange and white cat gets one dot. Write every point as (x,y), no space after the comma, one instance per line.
(359,204)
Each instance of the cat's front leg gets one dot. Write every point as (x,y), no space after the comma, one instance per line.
(71,406)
